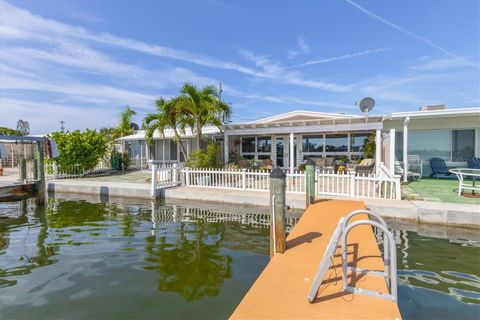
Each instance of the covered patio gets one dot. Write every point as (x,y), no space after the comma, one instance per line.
(290,142)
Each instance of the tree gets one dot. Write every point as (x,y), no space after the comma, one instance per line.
(86,148)
(123,128)
(23,127)
(4,131)
(167,116)
(203,107)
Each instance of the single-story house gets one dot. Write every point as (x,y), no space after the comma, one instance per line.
(291,138)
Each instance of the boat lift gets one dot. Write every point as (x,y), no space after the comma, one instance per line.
(340,237)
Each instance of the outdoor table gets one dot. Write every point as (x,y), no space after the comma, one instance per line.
(463,173)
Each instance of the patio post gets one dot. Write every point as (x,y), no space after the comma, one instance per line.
(378,149)
(391,153)
(225,149)
(405,149)
(292,152)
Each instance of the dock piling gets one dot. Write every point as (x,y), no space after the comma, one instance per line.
(22,172)
(40,174)
(309,182)
(278,242)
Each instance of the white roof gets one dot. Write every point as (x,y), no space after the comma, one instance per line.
(435,113)
(303,115)
(170,134)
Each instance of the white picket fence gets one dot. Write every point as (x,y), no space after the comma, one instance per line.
(54,171)
(164,176)
(327,183)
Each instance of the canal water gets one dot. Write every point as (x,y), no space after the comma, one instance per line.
(135,259)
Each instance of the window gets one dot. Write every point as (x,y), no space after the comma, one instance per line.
(263,156)
(173,150)
(357,141)
(450,145)
(463,145)
(264,144)
(313,143)
(248,144)
(336,143)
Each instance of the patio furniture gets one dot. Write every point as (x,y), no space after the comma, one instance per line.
(243,164)
(474,163)
(267,164)
(439,169)
(365,167)
(415,164)
(400,171)
(463,173)
(325,163)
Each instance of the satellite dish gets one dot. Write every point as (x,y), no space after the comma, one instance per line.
(134,126)
(366,105)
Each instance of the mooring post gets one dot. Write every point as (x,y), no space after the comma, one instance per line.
(278,242)
(22,172)
(309,182)
(40,174)
(35,169)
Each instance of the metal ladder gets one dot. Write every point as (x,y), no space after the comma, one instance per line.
(340,236)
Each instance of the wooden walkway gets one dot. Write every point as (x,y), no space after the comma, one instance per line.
(280,291)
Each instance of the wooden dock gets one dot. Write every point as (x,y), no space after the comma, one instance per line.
(17,191)
(280,291)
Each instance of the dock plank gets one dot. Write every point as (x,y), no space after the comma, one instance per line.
(281,289)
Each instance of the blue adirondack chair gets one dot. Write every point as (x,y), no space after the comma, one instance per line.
(440,170)
(474,163)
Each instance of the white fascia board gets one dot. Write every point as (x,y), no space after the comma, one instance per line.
(434,114)
(309,129)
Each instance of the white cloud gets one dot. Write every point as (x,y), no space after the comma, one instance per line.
(437,64)
(338,58)
(275,72)
(406,31)
(303,45)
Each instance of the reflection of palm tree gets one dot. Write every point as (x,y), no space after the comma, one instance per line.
(191,264)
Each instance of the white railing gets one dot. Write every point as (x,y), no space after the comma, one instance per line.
(328,183)
(54,171)
(363,186)
(164,176)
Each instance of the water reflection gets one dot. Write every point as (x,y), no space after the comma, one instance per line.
(189,251)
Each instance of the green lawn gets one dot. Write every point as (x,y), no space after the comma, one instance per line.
(442,190)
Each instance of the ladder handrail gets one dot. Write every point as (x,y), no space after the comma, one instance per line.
(392,259)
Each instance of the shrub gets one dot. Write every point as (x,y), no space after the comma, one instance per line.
(205,158)
(85,148)
(369,146)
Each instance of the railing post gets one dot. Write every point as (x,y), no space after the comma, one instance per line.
(174,173)
(22,172)
(154,181)
(352,184)
(309,182)
(244,179)
(187,176)
(278,242)
(398,193)
(55,170)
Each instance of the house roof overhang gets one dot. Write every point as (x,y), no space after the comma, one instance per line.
(307,126)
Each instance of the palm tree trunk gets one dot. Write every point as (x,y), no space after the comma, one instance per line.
(199,135)
(180,143)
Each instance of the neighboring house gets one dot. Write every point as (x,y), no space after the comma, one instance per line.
(164,147)
(290,139)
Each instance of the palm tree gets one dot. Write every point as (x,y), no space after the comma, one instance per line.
(167,116)
(203,107)
(124,128)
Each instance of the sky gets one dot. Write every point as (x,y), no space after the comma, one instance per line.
(82,61)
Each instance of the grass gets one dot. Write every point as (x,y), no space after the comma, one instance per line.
(441,190)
